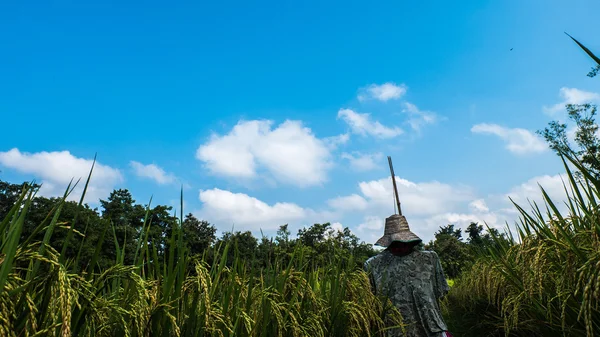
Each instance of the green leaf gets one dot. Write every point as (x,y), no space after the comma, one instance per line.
(589,52)
(70,233)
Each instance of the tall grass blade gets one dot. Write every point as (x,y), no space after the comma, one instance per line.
(587,51)
(72,227)
(14,211)
(9,248)
(50,230)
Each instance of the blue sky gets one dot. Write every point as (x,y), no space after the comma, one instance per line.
(283,112)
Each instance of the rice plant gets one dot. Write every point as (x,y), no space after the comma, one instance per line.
(44,293)
(548,281)
(544,282)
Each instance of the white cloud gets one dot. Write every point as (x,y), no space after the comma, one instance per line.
(530,191)
(153,172)
(429,205)
(351,202)
(426,198)
(419,118)
(247,212)
(571,96)
(426,205)
(335,141)
(336,226)
(370,229)
(56,169)
(363,161)
(479,206)
(383,92)
(371,223)
(420,202)
(243,212)
(362,124)
(523,194)
(334,229)
(290,152)
(519,141)
(462,220)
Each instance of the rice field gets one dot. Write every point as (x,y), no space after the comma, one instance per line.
(43,293)
(544,282)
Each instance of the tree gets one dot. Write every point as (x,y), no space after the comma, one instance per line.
(119,222)
(313,241)
(88,222)
(9,194)
(283,235)
(242,244)
(199,235)
(360,250)
(266,253)
(586,136)
(323,243)
(474,230)
(449,230)
(454,254)
(161,228)
(479,241)
(127,220)
(314,235)
(284,246)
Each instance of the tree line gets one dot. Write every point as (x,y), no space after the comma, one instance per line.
(457,255)
(119,221)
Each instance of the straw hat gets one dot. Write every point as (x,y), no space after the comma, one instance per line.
(396,229)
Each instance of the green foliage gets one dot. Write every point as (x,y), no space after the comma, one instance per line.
(133,270)
(546,283)
(456,255)
(168,292)
(199,234)
(243,245)
(587,143)
(449,230)
(9,194)
(596,59)
(324,245)
(126,219)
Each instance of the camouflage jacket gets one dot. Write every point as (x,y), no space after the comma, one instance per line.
(414,283)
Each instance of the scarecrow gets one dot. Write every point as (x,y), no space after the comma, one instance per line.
(412,279)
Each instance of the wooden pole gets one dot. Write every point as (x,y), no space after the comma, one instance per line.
(394,182)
